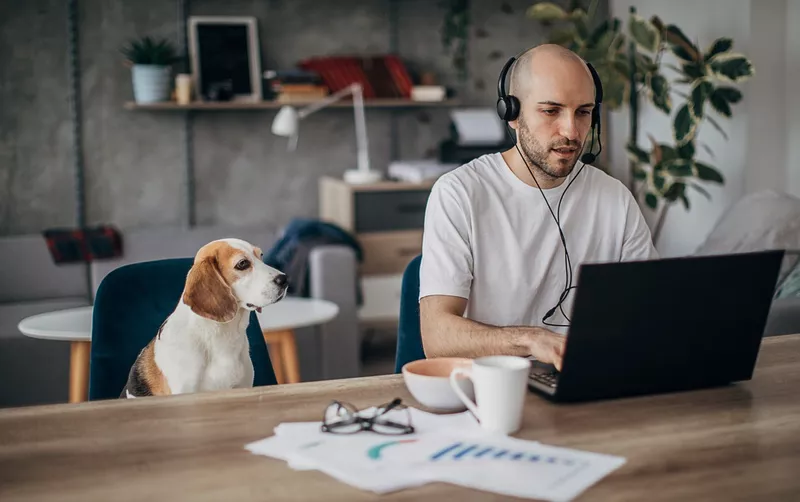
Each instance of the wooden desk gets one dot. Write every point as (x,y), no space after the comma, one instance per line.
(739,442)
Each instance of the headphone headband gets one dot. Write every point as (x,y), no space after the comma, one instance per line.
(508,105)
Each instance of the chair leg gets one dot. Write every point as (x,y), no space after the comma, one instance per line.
(274,341)
(79,371)
(289,350)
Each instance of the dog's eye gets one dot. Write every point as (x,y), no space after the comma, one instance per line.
(243,265)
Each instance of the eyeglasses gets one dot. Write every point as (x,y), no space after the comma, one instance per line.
(344,418)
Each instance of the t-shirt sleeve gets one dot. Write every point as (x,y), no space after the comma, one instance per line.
(638,244)
(446,266)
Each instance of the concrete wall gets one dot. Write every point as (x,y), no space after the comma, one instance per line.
(765,129)
(134,161)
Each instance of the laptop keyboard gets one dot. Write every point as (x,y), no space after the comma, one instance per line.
(550,378)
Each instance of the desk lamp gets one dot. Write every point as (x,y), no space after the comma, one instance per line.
(288,118)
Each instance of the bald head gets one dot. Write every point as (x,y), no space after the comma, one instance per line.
(540,63)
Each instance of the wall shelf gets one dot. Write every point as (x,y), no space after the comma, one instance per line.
(171,106)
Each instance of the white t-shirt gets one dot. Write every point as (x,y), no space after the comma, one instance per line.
(490,238)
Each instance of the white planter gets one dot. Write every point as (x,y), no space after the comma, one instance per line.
(151,83)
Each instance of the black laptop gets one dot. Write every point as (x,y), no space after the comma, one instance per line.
(664,325)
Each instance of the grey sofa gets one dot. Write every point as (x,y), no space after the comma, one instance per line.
(36,371)
(759,221)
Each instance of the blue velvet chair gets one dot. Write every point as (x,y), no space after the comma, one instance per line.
(409,339)
(130,305)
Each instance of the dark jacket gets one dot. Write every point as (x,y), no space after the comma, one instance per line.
(290,252)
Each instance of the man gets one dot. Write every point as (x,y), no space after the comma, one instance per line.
(493,261)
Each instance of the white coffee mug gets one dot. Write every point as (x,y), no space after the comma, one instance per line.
(500,384)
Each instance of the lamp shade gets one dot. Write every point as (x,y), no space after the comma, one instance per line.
(286,122)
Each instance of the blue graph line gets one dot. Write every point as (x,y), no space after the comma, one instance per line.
(442,453)
(461,451)
(464,452)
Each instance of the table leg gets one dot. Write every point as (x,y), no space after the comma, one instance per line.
(79,371)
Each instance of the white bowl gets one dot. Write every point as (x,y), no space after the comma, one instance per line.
(428,380)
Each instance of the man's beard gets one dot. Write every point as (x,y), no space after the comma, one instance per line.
(536,154)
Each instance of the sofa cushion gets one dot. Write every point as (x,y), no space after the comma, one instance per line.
(758,221)
(27,272)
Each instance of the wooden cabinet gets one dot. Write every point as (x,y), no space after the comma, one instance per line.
(387,219)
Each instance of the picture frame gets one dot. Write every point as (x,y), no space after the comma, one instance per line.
(225,57)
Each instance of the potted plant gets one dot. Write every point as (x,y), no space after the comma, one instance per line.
(631,67)
(151,67)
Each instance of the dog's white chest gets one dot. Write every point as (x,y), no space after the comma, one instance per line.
(228,367)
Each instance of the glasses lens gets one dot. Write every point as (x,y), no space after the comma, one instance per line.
(341,418)
(396,422)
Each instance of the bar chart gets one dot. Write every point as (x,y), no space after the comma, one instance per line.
(466,450)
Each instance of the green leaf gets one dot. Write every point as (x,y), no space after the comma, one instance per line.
(732,67)
(719,46)
(682,53)
(708,173)
(687,150)
(685,200)
(659,87)
(598,33)
(563,36)
(675,37)
(639,174)
(651,200)
(729,94)
(637,154)
(694,70)
(680,167)
(700,92)
(684,125)
(674,191)
(644,33)
(546,12)
(667,153)
(578,17)
(658,182)
(720,105)
(592,9)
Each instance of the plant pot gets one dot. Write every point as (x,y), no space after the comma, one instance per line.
(151,83)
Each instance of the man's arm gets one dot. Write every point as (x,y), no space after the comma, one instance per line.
(446,333)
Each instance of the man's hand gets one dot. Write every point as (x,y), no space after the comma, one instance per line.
(548,347)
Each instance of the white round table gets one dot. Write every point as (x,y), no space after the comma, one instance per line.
(69,325)
(277,322)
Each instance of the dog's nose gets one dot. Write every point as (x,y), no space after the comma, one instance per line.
(280,280)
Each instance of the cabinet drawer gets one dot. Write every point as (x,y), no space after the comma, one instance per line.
(390,252)
(379,211)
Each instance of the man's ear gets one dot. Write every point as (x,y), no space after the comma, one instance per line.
(207,293)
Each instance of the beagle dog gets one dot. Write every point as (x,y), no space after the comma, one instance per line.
(202,345)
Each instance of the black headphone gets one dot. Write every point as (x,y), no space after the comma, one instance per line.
(508,108)
(508,105)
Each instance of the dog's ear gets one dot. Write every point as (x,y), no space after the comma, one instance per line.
(207,293)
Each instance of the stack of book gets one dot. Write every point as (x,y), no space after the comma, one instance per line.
(294,86)
(380,76)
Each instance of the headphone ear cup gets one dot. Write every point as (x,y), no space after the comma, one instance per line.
(508,108)
(502,108)
(514,106)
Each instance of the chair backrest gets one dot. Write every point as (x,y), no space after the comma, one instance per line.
(131,303)
(409,339)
